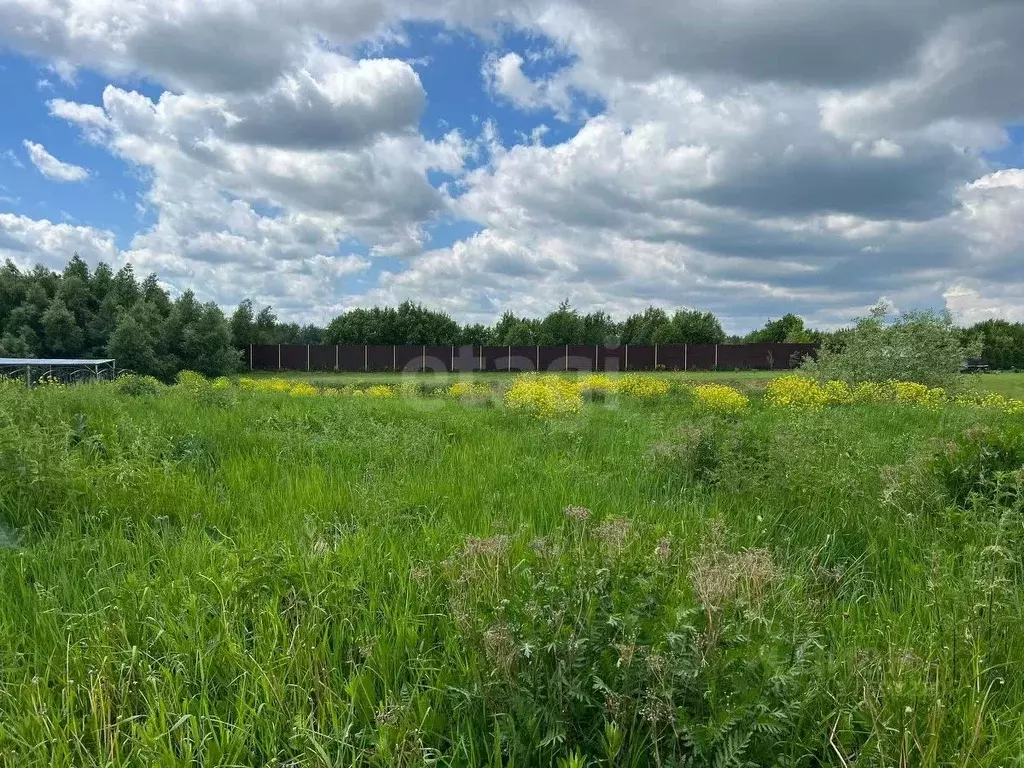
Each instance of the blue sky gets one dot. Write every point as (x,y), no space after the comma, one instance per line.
(506,155)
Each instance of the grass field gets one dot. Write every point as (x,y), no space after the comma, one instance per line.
(223,577)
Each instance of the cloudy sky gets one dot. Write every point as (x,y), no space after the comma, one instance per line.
(750,157)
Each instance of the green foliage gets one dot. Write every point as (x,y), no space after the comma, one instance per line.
(640,328)
(408,323)
(788,329)
(61,333)
(131,344)
(243,326)
(979,463)
(918,346)
(78,314)
(654,326)
(1002,343)
(413,324)
(134,385)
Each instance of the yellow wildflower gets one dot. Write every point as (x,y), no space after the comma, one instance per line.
(718,397)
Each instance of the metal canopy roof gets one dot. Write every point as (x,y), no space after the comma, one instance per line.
(51,362)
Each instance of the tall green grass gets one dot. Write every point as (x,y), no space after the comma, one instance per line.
(230,578)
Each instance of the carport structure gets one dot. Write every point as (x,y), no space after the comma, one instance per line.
(32,370)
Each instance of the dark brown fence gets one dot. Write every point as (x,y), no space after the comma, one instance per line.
(407,358)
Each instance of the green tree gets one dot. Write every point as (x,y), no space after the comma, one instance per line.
(690,327)
(101,283)
(598,328)
(124,288)
(921,346)
(640,328)
(62,336)
(476,335)
(1002,343)
(524,333)
(12,293)
(563,326)
(206,343)
(266,326)
(76,267)
(131,345)
(20,342)
(787,329)
(151,291)
(243,325)
(499,333)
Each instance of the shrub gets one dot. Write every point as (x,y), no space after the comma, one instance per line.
(922,347)
(979,462)
(191,381)
(138,386)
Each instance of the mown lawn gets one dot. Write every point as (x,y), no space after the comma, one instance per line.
(223,577)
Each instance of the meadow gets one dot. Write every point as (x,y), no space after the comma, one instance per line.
(489,570)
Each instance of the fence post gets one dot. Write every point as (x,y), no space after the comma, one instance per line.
(567,357)
(307,358)
(627,357)
(452,368)
(716,357)
(537,363)
(481,357)
(655,357)
(686,355)
(510,358)
(394,358)
(423,359)
(337,357)
(279,357)
(28,376)
(250,357)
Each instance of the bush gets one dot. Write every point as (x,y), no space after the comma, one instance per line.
(922,347)
(191,381)
(979,463)
(138,386)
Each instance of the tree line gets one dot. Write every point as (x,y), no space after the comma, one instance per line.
(411,323)
(80,312)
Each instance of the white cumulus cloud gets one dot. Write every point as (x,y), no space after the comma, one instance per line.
(51,167)
(750,156)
